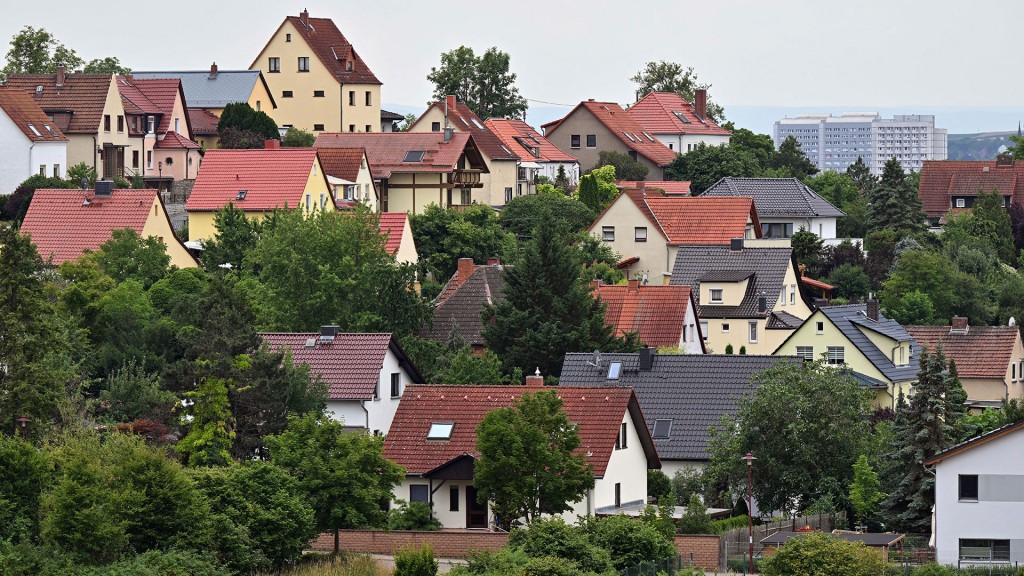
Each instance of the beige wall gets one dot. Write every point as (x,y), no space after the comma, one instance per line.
(407,249)
(1015,389)
(582,122)
(415,202)
(732,293)
(736,331)
(259,99)
(159,226)
(655,256)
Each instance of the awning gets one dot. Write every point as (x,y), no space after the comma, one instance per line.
(338,181)
(529,165)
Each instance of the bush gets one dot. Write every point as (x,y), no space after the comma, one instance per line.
(818,553)
(24,474)
(413,516)
(658,484)
(160,563)
(416,562)
(933,569)
(686,482)
(629,541)
(727,524)
(553,537)
(551,567)
(298,138)
(695,520)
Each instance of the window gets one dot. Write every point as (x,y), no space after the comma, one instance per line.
(56,170)
(376,387)
(805,352)
(177,124)
(368,100)
(614,369)
(273,65)
(120,124)
(640,234)
(1013,367)
(792,293)
(716,295)
(151,120)
(318,93)
(42,170)
(367,128)
(287,37)
(259,105)
(752,331)
(466,196)
(591,140)
(309,202)
(351,127)
(286,94)
(508,195)
(303,63)
(323,200)
(835,355)
(725,327)
(318,127)
(396,384)
(414,156)
(435,126)
(620,440)
(351,97)
(618,495)
(149,159)
(987,550)
(960,203)
(819,327)
(704,329)
(574,141)
(662,429)
(969,487)
(776,230)
(608,233)
(135,158)
(419,493)
(453,499)
(440,431)
(106,122)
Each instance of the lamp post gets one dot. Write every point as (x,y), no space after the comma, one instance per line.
(749,459)
(160,180)
(22,422)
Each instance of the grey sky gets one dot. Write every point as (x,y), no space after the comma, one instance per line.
(924,56)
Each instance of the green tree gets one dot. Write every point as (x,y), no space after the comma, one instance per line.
(851,282)
(695,520)
(407,123)
(36,51)
(211,427)
(13,206)
(807,249)
(527,466)
(129,256)
(658,484)
(861,175)
(484,83)
(236,237)
(913,308)
(241,116)
(298,138)
(464,367)
(131,394)
(791,158)
(588,193)
(232,138)
(628,541)
(626,168)
(25,473)
(524,213)
(705,165)
(1016,148)
(987,223)
(108,65)
(894,202)
(672,77)
(843,192)
(443,236)
(818,554)
(865,495)
(759,146)
(553,538)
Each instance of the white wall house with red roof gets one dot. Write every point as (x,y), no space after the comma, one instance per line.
(400,243)
(30,143)
(678,124)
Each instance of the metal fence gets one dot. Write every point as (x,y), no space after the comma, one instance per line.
(668,567)
(734,550)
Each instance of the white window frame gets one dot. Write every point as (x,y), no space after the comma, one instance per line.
(640,234)
(805,352)
(608,233)
(752,331)
(719,299)
(835,355)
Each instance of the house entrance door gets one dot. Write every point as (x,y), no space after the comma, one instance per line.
(476,513)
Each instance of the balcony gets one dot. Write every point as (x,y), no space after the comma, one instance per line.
(466,178)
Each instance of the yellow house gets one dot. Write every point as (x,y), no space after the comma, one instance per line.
(256,182)
(877,350)
(319,81)
(63,224)
(401,245)
(748,298)
(159,126)
(500,183)
(348,173)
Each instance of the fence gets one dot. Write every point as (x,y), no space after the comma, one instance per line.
(735,548)
(668,566)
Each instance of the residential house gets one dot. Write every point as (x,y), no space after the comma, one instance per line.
(158,124)
(256,181)
(348,173)
(951,186)
(458,306)
(748,298)
(989,359)
(390,121)
(784,205)
(660,316)
(500,180)
(592,127)
(318,80)
(676,123)
(30,143)
(87,109)
(876,350)
(683,396)
(204,128)
(668,187)
(365,374)
(978,506)
(538,157)
(400,243)
(647,227)
(415,170)
(433,436)
(64,224)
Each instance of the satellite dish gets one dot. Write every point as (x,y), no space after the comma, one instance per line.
(595,359)
(1012,322)
(84,183)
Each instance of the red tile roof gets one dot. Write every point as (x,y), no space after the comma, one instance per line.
(465,120)
(350,365)
(981,352)
(62,226)
(332,48)
(83,95)
(670,187)
(392,224)
(942,180)
(162,92)
(271,178)
(26,114)
(508,130)
(386,151)
(173,140)
(693,220)
(342,163)
(597,411)
(625,128)
(656,112)
(203,122)
(656,313)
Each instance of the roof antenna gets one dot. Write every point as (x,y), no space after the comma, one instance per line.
(595,360)
(537,372)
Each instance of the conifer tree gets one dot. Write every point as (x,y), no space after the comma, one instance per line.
(894,201)
(861,175)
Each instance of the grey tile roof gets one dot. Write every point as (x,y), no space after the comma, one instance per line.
(386,115)
(692,390)
(776,196)
(781,320)
(460,311)
(725,275)
(203,92)
(847,319)
(768,266)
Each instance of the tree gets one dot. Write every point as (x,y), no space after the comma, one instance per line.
(988,224)
(807,249)
(407,123)
(298,138)
(865,495)
(759,146)
(211,424)
(524,213)
(1016,148)
(790,157)
(658,484)
(483,82)
(235,138)
(131,394)
(108,65)
(36,51)
(705,165)
(672,77)
(464,367)
(13,206)
(850,281)
(818,554)
(345,475)
(861,176)
(444,236)
(695,519)
(527,466)
(25,473)
(894,202)
(630,542)
(236,237)
(913,308)
(626,168)
(241,116)
(129,256)
(597,189)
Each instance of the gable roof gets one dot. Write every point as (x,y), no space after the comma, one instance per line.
(941,180)
(623,127)
(205,90)
(63,226)
(685,220)
(525,142)
(272,178)
(656,313)
(691,390)
(670,187)
(463,119)
(83,95)
(980,352)
(29,117)
(976,441)
(776,196)
(386,151)
(331,47)
(457,308)
(342,163)
(153,95)
(350,364)
(597,412)
(176,141)
(204,123)
(659,113)
(393,224)
(767,265)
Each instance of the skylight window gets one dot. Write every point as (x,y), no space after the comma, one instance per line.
(440,431)
(476,123)
(627,135)
(34,130)
(414,156)
(648,136)
(614,369)
(662,429)
(507,151)
(241,194)
(681,116)
(638,139)
(50,130)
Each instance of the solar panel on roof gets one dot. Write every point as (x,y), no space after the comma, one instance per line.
(414,156)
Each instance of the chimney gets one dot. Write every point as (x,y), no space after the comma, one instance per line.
(304,17)
(271,144)
(449,104)
(595,284)
(634,285)
(213,71)
(535,381)
(493,261)
(872,308)
(762,304)
(1004,159)
(736,245)
(448,133)
(60,76)
(700,103)
(646,358)
(959,324)
(465,270)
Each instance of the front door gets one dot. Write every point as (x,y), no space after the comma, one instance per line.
(476,513)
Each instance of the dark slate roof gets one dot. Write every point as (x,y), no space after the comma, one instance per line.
(217,91)
(776,196)
(692,390)
(847,319)
(869,539)
(866,381)
(394,116)
(458,307)
(725,275)
(781,320)
(768,266)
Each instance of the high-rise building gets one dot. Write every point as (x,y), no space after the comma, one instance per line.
(835,142)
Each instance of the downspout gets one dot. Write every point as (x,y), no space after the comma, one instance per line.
(30,158)
(95,151)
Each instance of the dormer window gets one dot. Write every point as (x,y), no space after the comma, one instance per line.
(716,295)
(440,431)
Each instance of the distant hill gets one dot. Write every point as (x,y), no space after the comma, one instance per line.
(983,146)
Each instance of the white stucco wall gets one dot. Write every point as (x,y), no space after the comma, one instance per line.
(572,170)
(670,467)
(349,412)
(683,143)
(825,228)
(22,158)
(373,415)
(626,467)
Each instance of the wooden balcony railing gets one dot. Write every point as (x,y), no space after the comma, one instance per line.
(466,177)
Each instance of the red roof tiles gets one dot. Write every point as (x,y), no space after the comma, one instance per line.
(656,313)
(332,48)
(694,220)
(657,111)
(981,352)
(342,163)
(271,178)
(386,151)
(82,95)
(623,127)
(465,120)
(942,180)
(670,187)
(392,224)
(204,123)
(26,115)
(350,364)
(525,142)
(173,140)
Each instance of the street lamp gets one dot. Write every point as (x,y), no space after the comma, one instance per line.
(160,179)
(22,423)
(749,459)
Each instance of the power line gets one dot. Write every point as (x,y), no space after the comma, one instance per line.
(551,103)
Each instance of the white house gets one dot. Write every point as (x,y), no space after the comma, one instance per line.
(30,143)
(979,499)
(676,123)
(784,205)
(365,373)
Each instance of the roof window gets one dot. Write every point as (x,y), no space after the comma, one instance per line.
(440,431)
(614,369)
(476,123)
(34,130)
(681,116)
(414,156)
(241,194)
(662,429)
(628,135)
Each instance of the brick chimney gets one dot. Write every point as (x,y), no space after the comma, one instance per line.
(634,285)
(535,381)
(60,76)
(304,17)
(213,71)
(959,324)
(271,144)
(493,261)
(700,103)
(466,268)
(595,284)
(872,308)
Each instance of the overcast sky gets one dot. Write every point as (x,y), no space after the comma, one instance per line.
(758,55)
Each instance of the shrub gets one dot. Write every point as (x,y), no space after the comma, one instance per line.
(413,516)
(551,567)
(686,482)
(416,562)
(553,537)
(24,473)
(933,569)
(695,520)
(727,524)
(658,484)
(818,553)
(629,541)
